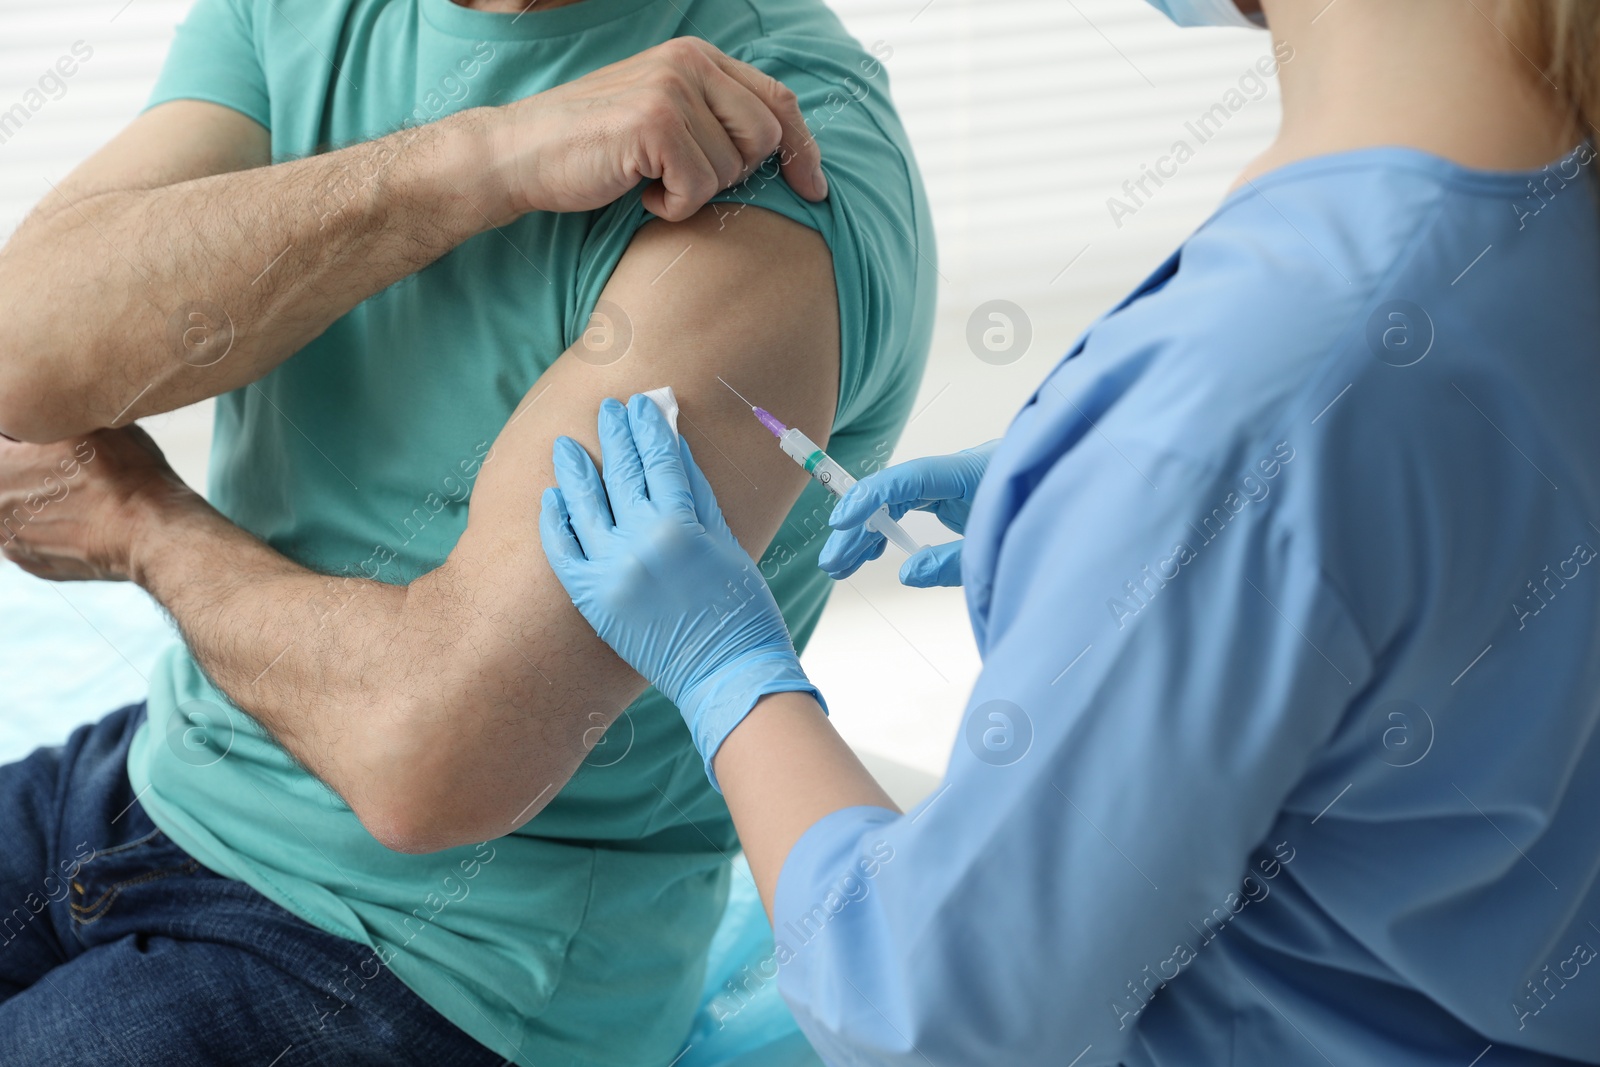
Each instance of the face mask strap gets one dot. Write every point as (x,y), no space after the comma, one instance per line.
(1208,13)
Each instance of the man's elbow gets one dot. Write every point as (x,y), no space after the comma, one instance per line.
(400,830)
(34,406)
(425,792)
(416,814)
(403,828)
(422,820)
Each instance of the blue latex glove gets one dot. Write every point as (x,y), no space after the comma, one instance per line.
(649,561)
(943,485)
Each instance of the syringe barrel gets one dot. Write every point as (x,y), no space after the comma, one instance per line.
(817,463)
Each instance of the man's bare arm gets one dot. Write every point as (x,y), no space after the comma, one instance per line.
(137,286)
(451,710)
(176,264)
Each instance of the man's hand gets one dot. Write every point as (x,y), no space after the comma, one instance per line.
(188,192)
(681,113)
(69,510)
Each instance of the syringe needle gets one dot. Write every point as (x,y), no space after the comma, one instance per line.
(735,392)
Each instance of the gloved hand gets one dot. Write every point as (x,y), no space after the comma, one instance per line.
(943,485)
(650,562)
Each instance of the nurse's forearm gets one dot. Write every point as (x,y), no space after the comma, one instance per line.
(124,303)
(781,770)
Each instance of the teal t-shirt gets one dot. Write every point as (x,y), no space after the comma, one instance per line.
(580,938)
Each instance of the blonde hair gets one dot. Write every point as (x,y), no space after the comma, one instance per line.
(1567,36)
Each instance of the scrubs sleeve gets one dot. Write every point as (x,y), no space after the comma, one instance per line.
(1149,699)
(213,58)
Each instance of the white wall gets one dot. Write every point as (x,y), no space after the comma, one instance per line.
(1027,116)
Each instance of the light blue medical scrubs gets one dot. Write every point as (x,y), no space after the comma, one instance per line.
(1287,584)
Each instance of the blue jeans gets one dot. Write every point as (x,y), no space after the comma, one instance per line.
(118,948)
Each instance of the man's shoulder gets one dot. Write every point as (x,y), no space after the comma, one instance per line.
(804,44)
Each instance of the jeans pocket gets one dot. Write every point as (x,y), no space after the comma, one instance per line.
(107,876)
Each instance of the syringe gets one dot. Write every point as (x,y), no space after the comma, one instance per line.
(825,469)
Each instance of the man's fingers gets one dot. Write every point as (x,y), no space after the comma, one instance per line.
(734,117)
(688,180)
(744,116)
(799,156)
(720,136)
